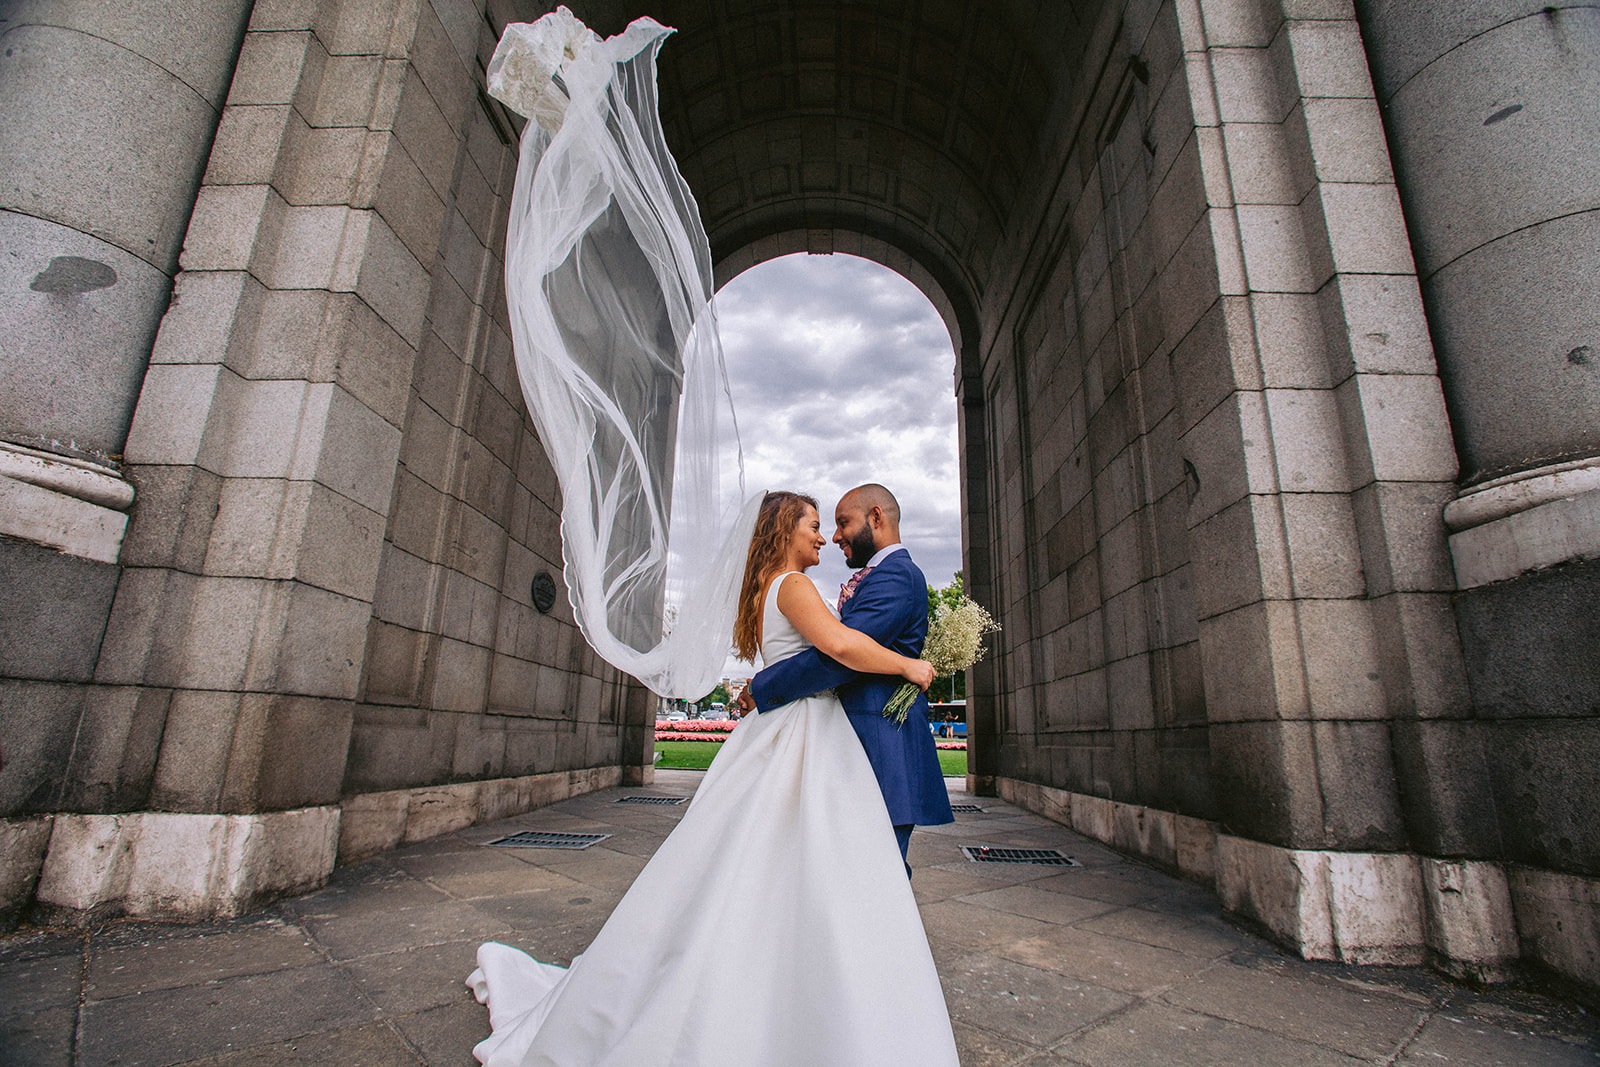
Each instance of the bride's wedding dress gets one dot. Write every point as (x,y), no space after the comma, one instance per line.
(804,946)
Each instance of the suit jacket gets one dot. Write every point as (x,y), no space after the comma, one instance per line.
(890,605)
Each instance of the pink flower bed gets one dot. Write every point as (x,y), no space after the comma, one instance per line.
(697,726)
(719,729)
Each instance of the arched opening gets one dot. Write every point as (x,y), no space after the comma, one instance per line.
(841,372)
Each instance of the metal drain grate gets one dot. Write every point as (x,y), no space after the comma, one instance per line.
(1047,857)
(548,839)
(966,809)
(651,800)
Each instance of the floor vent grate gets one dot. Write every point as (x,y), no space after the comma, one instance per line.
(548,839)
(966,809)
(651,800)
(1047,857)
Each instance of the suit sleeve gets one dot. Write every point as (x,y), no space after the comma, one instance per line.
(878,609)
(798,676)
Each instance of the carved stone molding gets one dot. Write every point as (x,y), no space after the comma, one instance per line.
(1525,521)
(71,505)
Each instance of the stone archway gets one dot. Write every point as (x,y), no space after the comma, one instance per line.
(1206,451)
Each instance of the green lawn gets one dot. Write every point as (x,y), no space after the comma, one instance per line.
(687,755)
(697,756)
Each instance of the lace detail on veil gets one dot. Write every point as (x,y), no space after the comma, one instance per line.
(609,284)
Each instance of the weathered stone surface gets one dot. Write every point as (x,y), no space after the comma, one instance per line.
(38,721)
(133,183)
(1304,1008)
(175,1021)
(118,742)
(1527,642)
(183,866)
(39,981)
(1470,925)
(201,55)
(22,845)
(300,753)
(1492,136)
(1551,533)
(80,315)
(53,611)
(1558,917)
(1265,777)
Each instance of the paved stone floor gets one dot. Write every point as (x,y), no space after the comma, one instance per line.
(1109,963)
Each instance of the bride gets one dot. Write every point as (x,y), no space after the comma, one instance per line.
(805,913)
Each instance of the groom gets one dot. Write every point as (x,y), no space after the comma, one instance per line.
(886,599)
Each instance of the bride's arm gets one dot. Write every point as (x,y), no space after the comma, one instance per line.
(802,605)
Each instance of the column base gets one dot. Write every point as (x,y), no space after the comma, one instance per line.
(376,822)
(67,504)
(1474,920)
(1525,521)
(166,865)
(77,869)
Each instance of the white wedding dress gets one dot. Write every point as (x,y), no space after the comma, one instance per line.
(804,948)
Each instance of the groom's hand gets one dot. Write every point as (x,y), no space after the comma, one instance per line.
(745,702)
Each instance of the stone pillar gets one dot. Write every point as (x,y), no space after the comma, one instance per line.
(1493,118)
(1316,426)
(1493,112)
(983,738)
(110,112)
(264,443)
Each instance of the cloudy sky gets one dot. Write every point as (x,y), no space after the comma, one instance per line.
(841,374)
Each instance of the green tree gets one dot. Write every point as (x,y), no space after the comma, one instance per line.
(948,596)
(719,695)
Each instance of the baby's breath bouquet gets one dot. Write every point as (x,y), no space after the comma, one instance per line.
(955,642)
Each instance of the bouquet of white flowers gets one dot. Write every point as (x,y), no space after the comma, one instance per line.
(955,642)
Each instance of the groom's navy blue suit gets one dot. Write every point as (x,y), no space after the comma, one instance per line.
(890,605)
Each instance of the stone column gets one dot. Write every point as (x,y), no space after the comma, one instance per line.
(1493,119)
(265,442)
(1493,113)
(109,114)
(1324,460)
(983,739)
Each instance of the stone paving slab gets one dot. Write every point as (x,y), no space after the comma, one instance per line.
(1108,964)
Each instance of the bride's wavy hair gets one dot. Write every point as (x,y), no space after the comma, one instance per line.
(780,513)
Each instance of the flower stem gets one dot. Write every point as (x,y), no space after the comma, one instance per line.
(900,703)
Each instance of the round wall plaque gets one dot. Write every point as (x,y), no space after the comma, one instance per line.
(544,591)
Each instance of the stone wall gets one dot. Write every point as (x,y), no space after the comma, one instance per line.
(1220,493)
(324,591)
(1223,469)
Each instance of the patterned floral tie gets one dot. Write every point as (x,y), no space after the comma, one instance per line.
(848,589)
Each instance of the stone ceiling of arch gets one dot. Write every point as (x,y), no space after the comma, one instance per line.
(915,121)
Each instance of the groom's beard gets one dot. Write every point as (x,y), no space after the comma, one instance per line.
(861,549)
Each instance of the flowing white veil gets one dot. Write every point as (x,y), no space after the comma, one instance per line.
(609,285)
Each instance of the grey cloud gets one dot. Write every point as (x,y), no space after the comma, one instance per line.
(823,349)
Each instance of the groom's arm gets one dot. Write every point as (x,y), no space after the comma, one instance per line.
(798,676)
(879,609)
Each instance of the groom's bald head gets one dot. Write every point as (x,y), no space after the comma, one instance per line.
(872,495)
(866,519)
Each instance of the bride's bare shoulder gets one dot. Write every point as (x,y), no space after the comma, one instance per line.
(796,591)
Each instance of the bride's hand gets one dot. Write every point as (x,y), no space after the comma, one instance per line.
(919,672)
